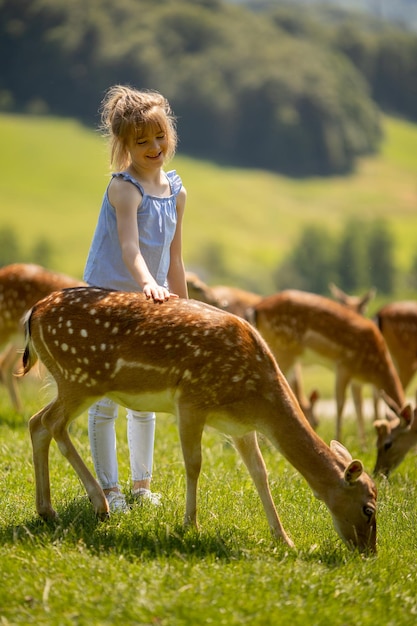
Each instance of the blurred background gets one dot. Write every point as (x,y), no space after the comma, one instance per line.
(297,124)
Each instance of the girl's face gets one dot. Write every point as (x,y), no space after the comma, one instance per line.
(149,150)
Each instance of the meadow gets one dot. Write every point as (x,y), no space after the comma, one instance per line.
(54,173)
(143,568)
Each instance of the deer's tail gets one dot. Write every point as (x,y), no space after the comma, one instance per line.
(29,355)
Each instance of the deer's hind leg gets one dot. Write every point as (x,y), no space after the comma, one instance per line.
(8,360)
(55,419)
(190,428)
(41,440)
(248,449)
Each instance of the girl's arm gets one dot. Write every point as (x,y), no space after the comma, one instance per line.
(126,198)
(176,273)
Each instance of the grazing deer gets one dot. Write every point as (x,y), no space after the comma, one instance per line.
(294,322)
(231,299)
(395,437)
(397,322)
(206,366)
(359,304)
(240,302)
(21,285)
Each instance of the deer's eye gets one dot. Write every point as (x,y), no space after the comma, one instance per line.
(368,512)
(387,445)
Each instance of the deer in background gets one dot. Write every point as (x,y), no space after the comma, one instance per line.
(21,285)
(294,322)
(359,304)
(204,365)
(240,302)
(396,436)
(231,299)
(397,322)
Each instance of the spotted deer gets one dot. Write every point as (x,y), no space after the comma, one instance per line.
(352,302)
(396,436)
(360,305)
(21,285)
(294,322)
(229,298)
(204,365)
(240,302)
(397,322)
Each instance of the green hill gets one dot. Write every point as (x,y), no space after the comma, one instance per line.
(243,222)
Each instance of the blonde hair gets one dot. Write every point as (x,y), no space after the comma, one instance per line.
(128,114)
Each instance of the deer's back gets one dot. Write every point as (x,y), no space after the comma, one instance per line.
(21,286)
(104,339)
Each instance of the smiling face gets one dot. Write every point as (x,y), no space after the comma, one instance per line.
(148,149)
(129,115)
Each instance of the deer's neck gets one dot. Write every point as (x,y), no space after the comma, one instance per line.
(291,433)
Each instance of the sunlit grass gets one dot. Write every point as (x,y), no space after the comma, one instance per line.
(142,568)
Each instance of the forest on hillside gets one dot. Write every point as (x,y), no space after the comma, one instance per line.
(400,12)
(296,92)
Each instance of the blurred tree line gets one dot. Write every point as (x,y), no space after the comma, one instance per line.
(360,258)
(11,249)
(297,92)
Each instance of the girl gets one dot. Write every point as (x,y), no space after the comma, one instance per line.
(137,246)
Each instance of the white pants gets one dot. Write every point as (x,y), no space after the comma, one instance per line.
(102,435)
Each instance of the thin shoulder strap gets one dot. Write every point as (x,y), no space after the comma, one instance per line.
(130,179)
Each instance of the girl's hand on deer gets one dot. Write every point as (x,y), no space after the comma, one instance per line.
(156,292)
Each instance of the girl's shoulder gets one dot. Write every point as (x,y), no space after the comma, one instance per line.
(120,194)
(126,177)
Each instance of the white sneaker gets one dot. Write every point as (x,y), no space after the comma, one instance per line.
(142,495)
(117,502)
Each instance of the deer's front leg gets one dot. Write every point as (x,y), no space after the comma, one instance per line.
(342,381)
(358,403)
(248,449)
(41,440)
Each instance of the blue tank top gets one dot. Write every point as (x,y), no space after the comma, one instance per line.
(157,221)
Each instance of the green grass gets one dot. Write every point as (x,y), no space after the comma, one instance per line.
(54,173)
(142,568)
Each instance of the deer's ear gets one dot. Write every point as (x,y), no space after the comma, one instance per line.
(340,451)
(383,430)
(314,396)
(353,471)
(406,415)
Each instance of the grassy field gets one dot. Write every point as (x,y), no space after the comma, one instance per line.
(54,173)
(142,569)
